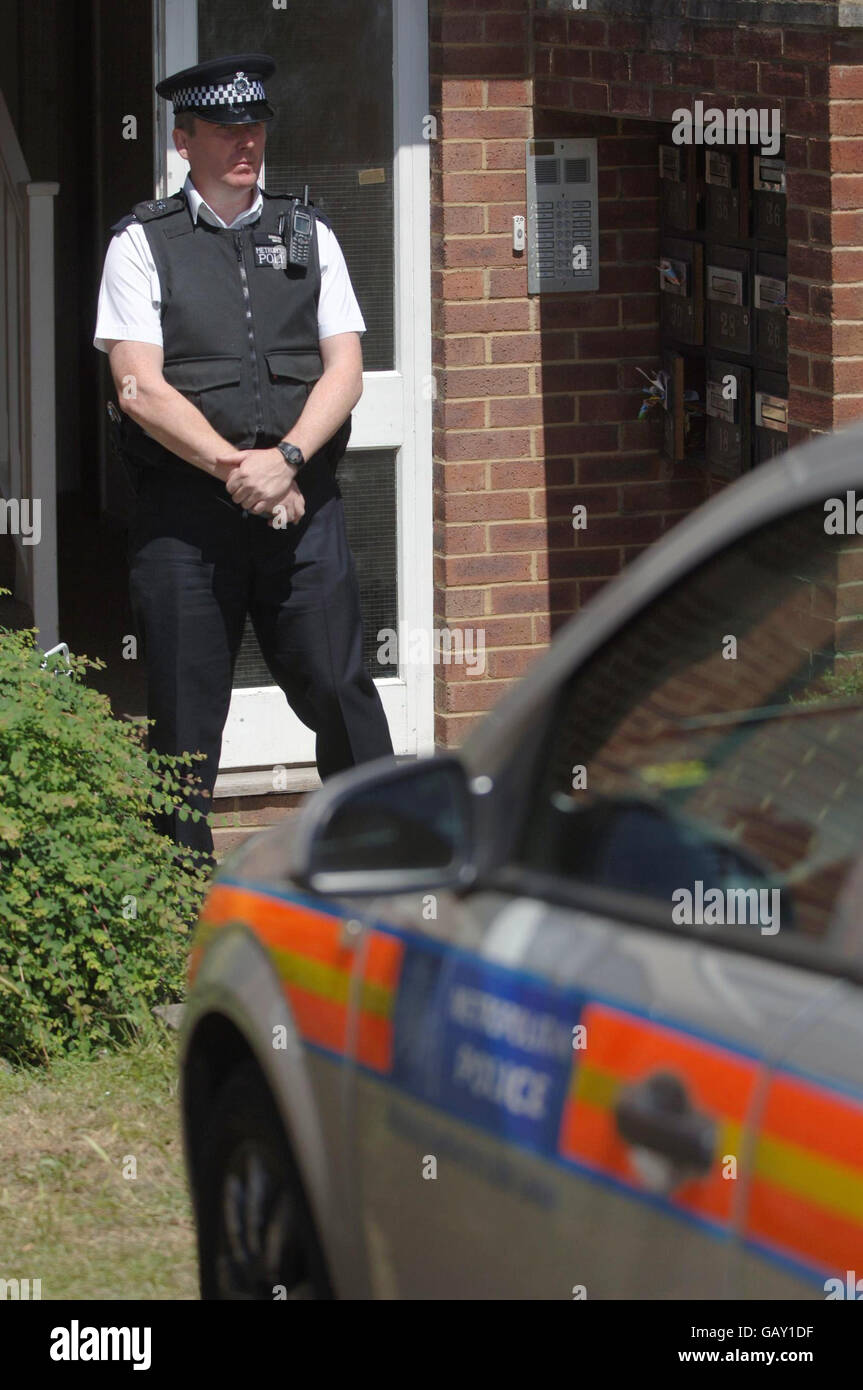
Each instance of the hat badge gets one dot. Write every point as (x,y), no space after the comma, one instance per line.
(241,84)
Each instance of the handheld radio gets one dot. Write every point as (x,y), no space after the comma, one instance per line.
(299,233)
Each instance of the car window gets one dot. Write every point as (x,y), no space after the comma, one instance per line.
(710,756)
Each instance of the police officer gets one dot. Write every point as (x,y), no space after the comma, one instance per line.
(233,335)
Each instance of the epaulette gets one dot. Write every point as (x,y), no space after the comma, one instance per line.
(120,226)
(158,207)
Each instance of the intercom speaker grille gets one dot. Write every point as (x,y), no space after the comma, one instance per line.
(547,171)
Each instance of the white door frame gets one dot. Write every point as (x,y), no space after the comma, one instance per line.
(395,411)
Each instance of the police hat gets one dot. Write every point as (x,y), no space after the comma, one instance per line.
(226,91)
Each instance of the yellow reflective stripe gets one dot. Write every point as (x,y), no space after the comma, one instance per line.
(818,1179)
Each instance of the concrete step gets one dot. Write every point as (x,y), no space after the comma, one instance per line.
(244,803)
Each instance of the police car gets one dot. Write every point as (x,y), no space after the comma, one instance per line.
(576,1010)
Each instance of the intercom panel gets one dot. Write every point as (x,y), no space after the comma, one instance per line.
(562,216)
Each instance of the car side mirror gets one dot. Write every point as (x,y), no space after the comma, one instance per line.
(388,828)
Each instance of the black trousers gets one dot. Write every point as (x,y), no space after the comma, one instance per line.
(198,565)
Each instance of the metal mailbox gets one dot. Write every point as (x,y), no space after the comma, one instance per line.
(726,289)
(726,194)
(770,415)
(681,300)
(771,316)
(727,406)
(679,186)
(769,199)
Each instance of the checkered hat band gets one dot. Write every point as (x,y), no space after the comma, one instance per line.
(221,95)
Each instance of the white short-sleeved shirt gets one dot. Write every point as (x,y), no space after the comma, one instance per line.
(130,295)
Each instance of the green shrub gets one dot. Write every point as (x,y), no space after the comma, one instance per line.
(95,904)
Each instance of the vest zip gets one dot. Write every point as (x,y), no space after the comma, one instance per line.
(247,300)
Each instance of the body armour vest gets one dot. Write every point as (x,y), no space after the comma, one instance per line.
(239,327)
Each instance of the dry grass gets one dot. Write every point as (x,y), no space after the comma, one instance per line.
(68,1216)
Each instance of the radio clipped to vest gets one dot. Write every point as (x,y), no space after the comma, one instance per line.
(295,229)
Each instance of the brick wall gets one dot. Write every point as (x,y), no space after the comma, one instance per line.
(537,399)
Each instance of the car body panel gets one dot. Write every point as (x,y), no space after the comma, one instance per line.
(536,1194)
(558,1181)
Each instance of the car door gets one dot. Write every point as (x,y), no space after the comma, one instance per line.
(586,1047)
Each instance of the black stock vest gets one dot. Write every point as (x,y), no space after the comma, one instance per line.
(240,331)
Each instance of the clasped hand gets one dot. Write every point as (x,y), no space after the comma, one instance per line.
(260,480)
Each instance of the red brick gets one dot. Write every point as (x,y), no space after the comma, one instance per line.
(488,444)
(460,28)
(487,569)
(486,318)
(508,284)
(511,662)
(809,263)
(625,33)
(650,67)
(847,339)
(485,60)
(502,93)
(557,410)
(489,506)
(477,251)
(760,43)
(515,535)
(568,439)
(639,183)
(806,117)
(505,154)
(462,221)
(846,376)
(523,473)
(847,266)
(589,32)
(458,94)
(462,540)
(799,369)
(608,468)
(462,477)
(634,101)
(608,66)
(671,495)
(463,284)
(516,347)
(810,409)
(483,187)
(600,500)
(487,125)
(631,343)
(846,156)
(811,190)
(522,598)
(739,78)
(846,117)
(490,381)
(505,28)
(579,563)
(551,29)
(694,70)
(846,81)
(459,155)
(781,81)
(601,409)
(846,301)
(517,410)
(463,603)
(466,415)
(461,352)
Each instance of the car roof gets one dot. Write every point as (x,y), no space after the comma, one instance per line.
(831,464)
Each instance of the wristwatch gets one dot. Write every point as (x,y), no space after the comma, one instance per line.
(292,455)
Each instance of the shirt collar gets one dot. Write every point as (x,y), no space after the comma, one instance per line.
(199,208)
